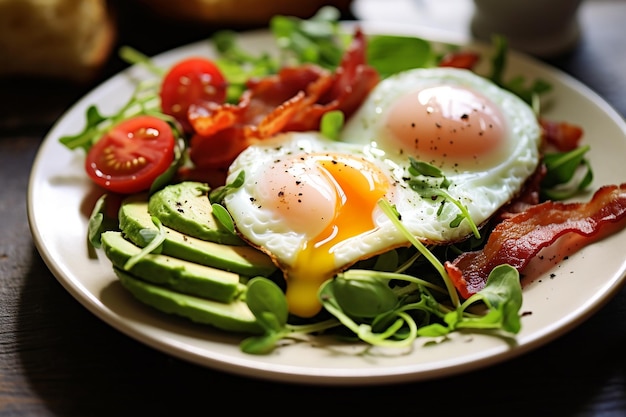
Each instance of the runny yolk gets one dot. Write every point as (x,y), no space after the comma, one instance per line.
(448,126)
(358,185)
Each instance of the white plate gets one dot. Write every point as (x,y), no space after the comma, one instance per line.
(60,198)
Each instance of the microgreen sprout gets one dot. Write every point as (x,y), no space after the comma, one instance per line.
(392,213)
(421,172)
(144,100)
(217,195)
(154,238)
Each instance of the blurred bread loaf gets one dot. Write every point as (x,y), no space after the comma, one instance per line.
(68,39)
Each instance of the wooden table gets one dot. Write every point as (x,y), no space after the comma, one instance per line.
(57,359)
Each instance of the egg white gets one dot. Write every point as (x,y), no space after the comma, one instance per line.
(483,188)
(482,191)
(267,229)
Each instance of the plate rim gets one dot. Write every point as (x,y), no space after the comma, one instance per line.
(297,375)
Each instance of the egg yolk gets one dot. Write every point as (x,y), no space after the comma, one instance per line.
(448,126)
(328,198)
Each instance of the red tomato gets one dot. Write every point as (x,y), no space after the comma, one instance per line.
(131,155)
(193,80)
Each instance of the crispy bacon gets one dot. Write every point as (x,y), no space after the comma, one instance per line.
(517,240)
(295,99)
(460,59)
(562,135)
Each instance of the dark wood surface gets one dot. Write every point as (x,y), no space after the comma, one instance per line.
(57,359)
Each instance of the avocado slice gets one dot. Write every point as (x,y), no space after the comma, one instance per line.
(185,207)
(176,274)
(134,220)
(234,316)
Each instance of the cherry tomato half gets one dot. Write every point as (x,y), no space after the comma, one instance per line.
(194,80)
(129,157)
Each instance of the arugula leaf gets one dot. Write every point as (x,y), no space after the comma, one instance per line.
(85,139)
(562,170)
(144,100)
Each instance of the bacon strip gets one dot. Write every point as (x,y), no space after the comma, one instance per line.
(460,59)
(518,239)
(562,135)
(295,99)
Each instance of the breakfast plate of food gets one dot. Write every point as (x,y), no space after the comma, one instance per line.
(368,204)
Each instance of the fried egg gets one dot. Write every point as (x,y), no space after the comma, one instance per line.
(312,203)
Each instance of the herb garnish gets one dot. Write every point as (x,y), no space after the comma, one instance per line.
(422,174)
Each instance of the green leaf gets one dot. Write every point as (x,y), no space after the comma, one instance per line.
(99,222)
(133,56)
(433,330)
(267,302)
(331,124)
(315,40)
(153,245)
(260,345)
(562,170)
(390,54)
(90,132)
(167,176)
(217,195)
(503,292)
(432,191)
(502,295)
(423,168)
(517,85)
(223,217)
(363,296)
(238,65)
(561,167)
(144,100)
(387,261)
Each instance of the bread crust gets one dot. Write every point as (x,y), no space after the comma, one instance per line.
(68,39)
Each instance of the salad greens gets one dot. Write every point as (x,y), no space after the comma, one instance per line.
(390,308)
(400,295)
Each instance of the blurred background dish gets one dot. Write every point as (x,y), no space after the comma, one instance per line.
(538,27)
(239,12)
